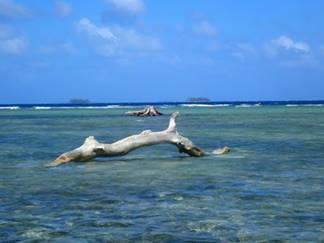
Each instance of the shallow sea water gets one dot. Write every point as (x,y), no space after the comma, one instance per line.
(269,188)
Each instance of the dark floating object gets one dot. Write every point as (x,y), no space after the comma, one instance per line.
(147,111)
(91,148)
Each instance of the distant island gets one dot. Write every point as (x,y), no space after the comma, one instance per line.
(79,101)
(197,99)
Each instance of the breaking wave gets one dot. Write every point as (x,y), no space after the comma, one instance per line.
(79,107)
(247,105)
(205,105)
(307,105)
(9,107)
(42,107)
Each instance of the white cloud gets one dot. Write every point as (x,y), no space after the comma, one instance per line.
(63,9)
(204,28)
(131,39)
(289,44)
(118,41)
(11,10)
(290,53)
(13,46)
(127,6)
(85,25)
(285,47)
(10,43)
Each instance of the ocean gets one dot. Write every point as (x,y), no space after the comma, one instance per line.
(270,187)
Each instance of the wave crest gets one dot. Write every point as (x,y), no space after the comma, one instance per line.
(205,105)
(9,107)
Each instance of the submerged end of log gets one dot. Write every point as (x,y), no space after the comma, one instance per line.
(222,151)
(147,111)
(91,148)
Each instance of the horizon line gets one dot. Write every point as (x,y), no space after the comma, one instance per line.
(164,102)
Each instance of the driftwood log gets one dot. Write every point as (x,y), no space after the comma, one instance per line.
(147,111)
(91,148)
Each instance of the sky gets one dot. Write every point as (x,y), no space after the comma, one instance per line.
(156,50)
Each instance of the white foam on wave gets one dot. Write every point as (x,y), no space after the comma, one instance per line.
(42,107)
(100,107)
(247,105)
(316,105)
(307,105)
(205,105)
(9,107)
(165,106)
(221,105)
(79,107)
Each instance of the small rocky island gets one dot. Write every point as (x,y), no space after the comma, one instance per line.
(79,101)
(197,99)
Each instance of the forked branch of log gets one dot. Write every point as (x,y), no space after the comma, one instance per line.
(91,148)
(147,111)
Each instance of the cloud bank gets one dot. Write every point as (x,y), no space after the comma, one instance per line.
(117,40)
(86,26)
(289,44)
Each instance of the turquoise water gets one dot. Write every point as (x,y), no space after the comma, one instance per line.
(270,188)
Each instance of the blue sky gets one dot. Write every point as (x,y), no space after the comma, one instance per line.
(137,50)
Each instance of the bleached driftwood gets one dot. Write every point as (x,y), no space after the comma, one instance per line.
(222,151)
(91,148)
(147,111)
